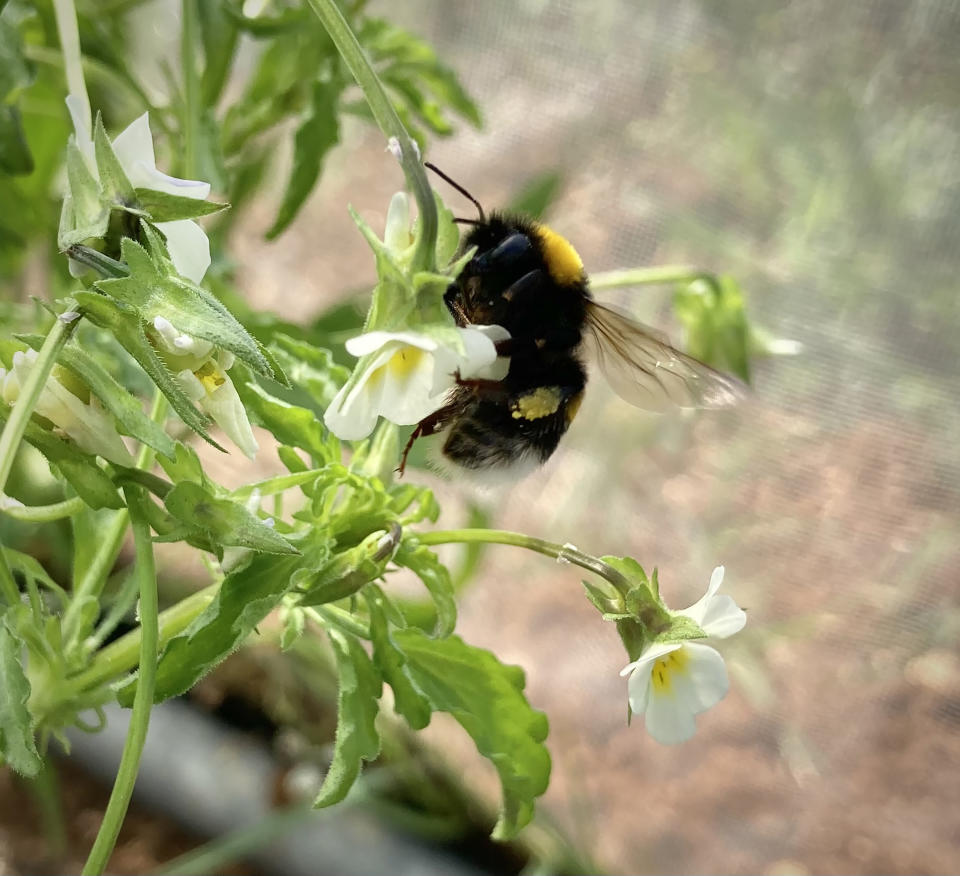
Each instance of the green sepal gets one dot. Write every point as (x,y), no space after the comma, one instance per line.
(356,738)
(224,521)
(486,698)
(681,628)
(84,214)
(116,185)
(17,746)
(346,573)
(164,207)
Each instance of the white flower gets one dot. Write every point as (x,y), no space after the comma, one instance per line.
(405,376)
(186,241)
(88,424)
(201,370)
(671,683)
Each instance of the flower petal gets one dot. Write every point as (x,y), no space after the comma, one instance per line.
(638,689)
(134,145)
(668,719)
(188,246)
(228,412)
(706,678)
(365,344)
(723,617)
(146,177)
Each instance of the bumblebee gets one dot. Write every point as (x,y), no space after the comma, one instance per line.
(527,278)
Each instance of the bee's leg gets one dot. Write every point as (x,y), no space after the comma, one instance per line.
(429,425)
(489,390)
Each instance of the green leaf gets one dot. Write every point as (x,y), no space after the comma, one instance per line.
(486,698)
(126,409)
(407,700)
(15,157)
(16,724)
(435,577)
(85,214)
(185,465)
(713,313)
(289,424)
(219,35)
(15,71)
(346,573)
(226,522)
(245,598)
(154,288)
(537,195)
(310,368)
(164,207)
(87,528)
(357,739)
(127,327)
(315,137)
(117,187)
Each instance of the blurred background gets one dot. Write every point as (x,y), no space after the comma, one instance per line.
(811,151)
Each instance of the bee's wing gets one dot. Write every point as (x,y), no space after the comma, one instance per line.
(643,369)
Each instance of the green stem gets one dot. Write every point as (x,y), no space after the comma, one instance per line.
(142,703)
(647,277)
(41,513)
(46,789)
(59,334)
(560,552)
(110,543)
(69,35)
(191,87)
(327,615)
(120,656)
(389,122)
(8,586)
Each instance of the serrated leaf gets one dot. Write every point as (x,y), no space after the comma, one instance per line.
(125,408)
(226,522)
(155,289)
(127,327)
(289,424)
(407,700)
(357,738)
(117,187)
(486,698)
(164,207)
(315,137)
(17,746)
(435,577)
(245,598)
(310,368)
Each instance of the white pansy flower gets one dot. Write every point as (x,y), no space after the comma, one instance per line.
(201,370)
(407,375)
(186,240)
(87,423)
(671,683)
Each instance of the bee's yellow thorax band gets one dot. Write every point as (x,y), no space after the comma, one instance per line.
(563,261)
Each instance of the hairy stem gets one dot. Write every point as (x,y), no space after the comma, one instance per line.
(657,276)
(142,703)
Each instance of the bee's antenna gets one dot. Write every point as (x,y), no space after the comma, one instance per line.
(460,189)
(461,221)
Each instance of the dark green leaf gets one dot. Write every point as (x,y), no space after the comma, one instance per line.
(315,137)
(311,368)
(537,195)
(15,157)
(245,598)
(15,72)
(218,33)
(486,698)
(164,207)
(226,522)
(357,739)
(17,747)
(131,420)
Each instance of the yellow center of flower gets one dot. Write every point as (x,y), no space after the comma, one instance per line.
(209,375)
(665,667)
(405,360)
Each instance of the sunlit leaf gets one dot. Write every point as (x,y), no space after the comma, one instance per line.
(17,747)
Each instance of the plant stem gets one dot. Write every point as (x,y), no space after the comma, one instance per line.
(560,552)
(69,35)
(647,277)
(29,393)
(41,513)
(8,586)
(389,122)
(120,656)
(142,703)
(191,87)
(106,556)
